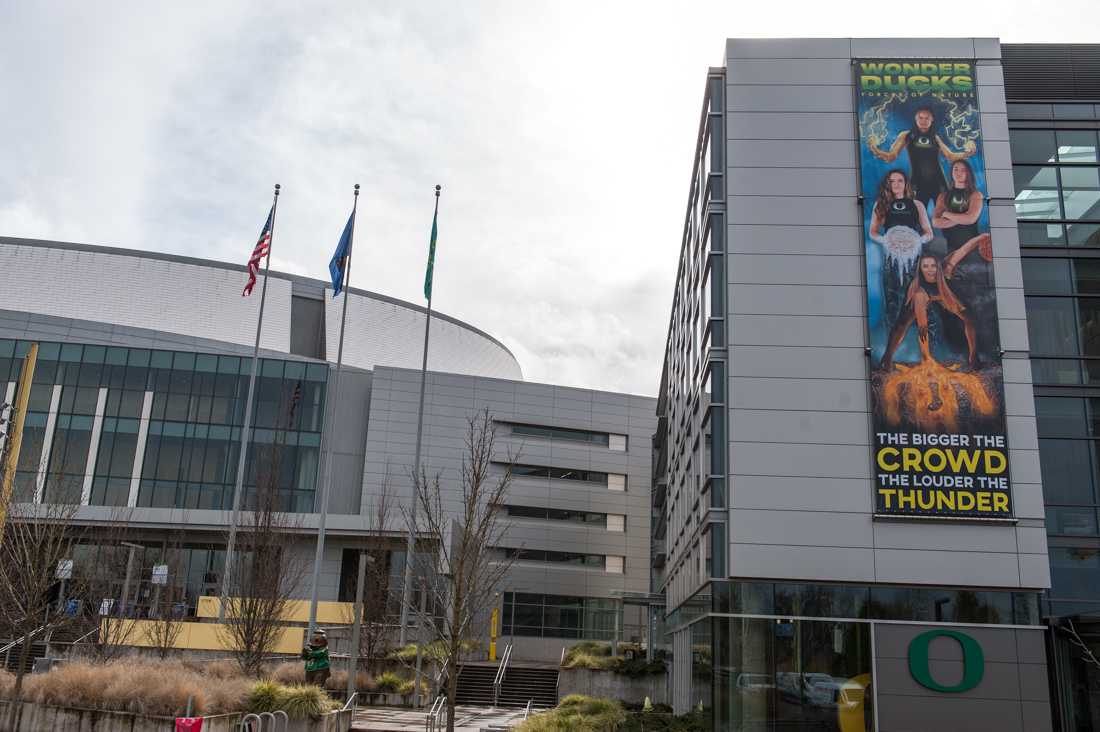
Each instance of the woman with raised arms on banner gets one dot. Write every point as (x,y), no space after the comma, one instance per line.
(930,285)
(925,147)
(901,226)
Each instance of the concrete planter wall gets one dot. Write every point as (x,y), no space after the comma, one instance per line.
(608,685)
(37,717)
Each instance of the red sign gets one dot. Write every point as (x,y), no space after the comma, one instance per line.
(188,724)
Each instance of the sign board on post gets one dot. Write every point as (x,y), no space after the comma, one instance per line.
(160,574)
(937,392)
(64,569)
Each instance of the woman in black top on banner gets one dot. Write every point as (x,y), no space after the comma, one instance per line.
(896,207)
(957,212)
(925,147)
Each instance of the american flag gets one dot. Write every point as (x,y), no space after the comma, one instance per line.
(263,247)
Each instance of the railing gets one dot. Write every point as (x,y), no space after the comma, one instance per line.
(348,703)
(527,711)
(432,721)
(17,641)
(557,684)
(500,673)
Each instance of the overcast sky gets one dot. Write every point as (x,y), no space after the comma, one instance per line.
(562,133)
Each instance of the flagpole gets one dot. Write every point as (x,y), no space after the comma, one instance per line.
(331,401)
(419,440)
(242,455)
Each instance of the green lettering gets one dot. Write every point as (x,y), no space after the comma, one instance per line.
(973,661)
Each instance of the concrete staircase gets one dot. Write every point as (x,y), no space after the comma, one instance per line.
(537,684)
(528,683)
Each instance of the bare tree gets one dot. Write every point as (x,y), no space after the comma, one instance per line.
(105,580)
(38,539)
(374,629)
(466,564)
(166,617)
(264,575)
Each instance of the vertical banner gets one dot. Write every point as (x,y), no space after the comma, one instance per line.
(937,393)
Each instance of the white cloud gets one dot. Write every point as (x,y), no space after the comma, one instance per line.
(562,133)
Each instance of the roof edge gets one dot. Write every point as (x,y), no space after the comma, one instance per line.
(199,262)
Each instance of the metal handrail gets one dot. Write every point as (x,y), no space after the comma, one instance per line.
(275,716)
(527,711)
(557,684)
(17,641)
(500,674)
(431,720)
(351,698)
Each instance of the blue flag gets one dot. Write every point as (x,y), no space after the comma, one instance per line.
(338,265)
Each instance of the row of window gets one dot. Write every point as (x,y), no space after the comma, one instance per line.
(608,563)
(186,386)
(557,616)
(926,604)
(609,440)
(614,481)
(556,514)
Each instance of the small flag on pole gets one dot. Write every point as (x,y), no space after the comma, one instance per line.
(431,249)
(337,266)
(263,246)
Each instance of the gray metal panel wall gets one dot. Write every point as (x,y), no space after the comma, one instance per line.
(800,494)
(1012,696)
(452,399)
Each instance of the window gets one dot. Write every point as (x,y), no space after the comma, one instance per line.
(617,443)
(616,522)
(556,514)
(558,616)
(554,557)
(614,565)
(1057,177)
(616,482)
(559,433)
(545,471)
(197,407)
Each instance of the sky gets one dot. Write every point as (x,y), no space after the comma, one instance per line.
(562,133)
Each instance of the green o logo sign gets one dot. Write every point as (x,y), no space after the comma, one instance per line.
(973,661)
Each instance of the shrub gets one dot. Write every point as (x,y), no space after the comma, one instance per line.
(144,687)
(266,696)
(389,682)
(579,713)
(305,702)
(596,656)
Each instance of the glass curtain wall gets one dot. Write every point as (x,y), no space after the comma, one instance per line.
(196,410)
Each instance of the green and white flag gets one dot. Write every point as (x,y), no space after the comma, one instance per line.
(431,253)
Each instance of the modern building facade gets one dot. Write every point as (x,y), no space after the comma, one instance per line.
(138,402)
(798,596)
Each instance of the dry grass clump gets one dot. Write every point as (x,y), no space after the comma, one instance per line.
(288,674)
(156,688)
(338,681)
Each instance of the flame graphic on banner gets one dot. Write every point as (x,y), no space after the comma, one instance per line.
(932,396)
(873,126)
(960,129)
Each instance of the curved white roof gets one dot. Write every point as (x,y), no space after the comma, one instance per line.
(202,298)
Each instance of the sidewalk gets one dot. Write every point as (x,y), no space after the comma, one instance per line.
(398,719)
